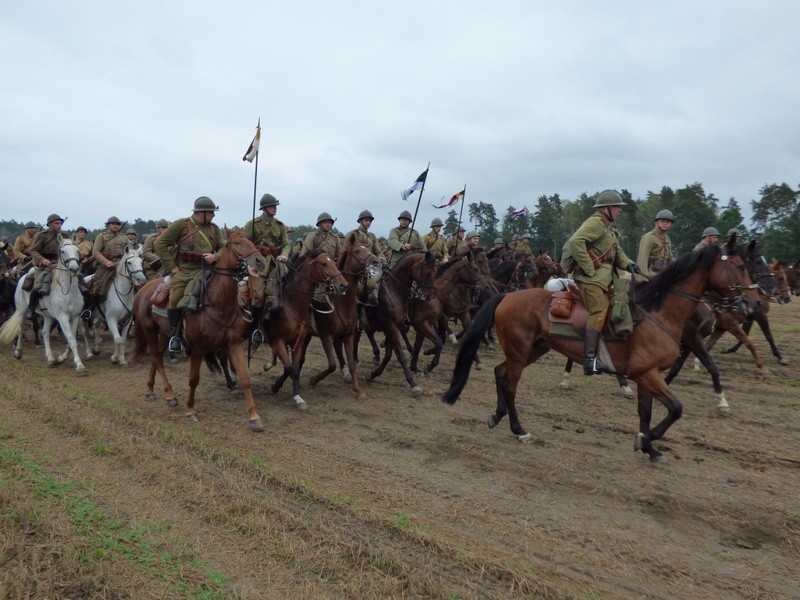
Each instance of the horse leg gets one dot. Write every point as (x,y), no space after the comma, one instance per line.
(418,339)
(344,366)
(327,346)
(652,385)
(746,328)
(156,346)
(349,345)
(678,364)
(432,335)
(194,378)
(381,365)
(113,328)
(298,359)
(70,331)
(48,352)
(763,322)
(713,370)
(507,378)
(123,339)
(376,352)
(396,338)
(564,385)
(742,337)
(238,360)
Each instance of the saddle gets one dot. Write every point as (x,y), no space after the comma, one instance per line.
(160,295)
(568,313)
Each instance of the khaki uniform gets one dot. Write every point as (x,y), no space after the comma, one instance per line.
(152,262)
(704,243)
(436,244)
(107,246)
(367,239)
(523,249)
(598,235)
(327,241)
(188,255)
(22,247)
(399,236)
(655,252)
(272,237)
(456,247)
(45,246)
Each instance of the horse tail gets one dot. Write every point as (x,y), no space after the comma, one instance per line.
(468,347)
(11,328)
(212,363)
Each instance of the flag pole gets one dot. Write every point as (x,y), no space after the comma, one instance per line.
(460,214)
(255,187)
(414,220)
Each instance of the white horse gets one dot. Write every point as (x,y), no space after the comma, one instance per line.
(62,304)
(117,305)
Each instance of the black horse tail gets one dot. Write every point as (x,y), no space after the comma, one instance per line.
(468,347)
(212,363)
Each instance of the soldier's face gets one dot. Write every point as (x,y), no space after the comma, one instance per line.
(80,234)
(115,227)
(30,230)
(664,224)
(270,210)
(436,229)
(325,225)
(404,222)
(365,223)
(55,226)
(160,230)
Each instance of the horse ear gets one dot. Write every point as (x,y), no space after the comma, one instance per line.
(351,239)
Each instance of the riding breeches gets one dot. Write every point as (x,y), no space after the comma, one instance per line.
(596,300)
(177,286)
(102,279)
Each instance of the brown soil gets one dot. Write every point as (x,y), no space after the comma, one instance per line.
(105,495)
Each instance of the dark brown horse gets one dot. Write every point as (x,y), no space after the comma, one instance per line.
(411,277)
(546,268)
(219,325)
(664,305)
(337,329)
(288,328)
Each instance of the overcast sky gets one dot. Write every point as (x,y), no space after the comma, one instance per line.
(134,109)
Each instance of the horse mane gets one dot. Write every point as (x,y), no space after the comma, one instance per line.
(504,268)
(296,263)
(429,258)
(446,265)
(650,295)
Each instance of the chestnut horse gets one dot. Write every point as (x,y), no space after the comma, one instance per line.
(288,328)
(664,304)
(337,329)
(219,324)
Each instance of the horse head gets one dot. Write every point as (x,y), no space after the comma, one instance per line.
(793,277)
(356,259)
(778,270)
(242,249)
(759,271)
(69,255)
(320,268)
(131,266)
(545,264)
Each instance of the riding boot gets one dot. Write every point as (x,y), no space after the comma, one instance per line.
(272,303)
(174,316)
(591,364)
(257,337)
(33,302)
(89,302)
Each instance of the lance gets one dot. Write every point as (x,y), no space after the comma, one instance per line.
(422,189)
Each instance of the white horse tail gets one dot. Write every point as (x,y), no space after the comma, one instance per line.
(11,328)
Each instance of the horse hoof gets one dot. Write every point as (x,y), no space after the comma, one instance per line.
(525,437)
(492,423)
(479,366)
(370,376)
(114,361)
(376,360)
(724,410)
(628,392)
(256,425)
(149,397)
(347,379)
(362,397)
(783,361)
(564,385)
(173,361)
(18,355)
(81,371)
(313,381)
(301,404)
(658,458)
(638,443)
(416,391)
(267,367)
(53,363)
(191,418)
(172,402)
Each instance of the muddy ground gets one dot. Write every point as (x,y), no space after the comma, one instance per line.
(104,495)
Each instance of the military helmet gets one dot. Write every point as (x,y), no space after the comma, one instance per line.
(204,203)
(462,228)
(298,239)
(525,236)
(405,215)
(664,214)
(437,222)
(734,231)
(473,234)
(323,216)
(365,214)
(268,200)
(516,238)
(81,228)
(113,220)
(498,240)
(608,198)
(710,231)
(31,225)
(162,223)
(54,217)
(131,231)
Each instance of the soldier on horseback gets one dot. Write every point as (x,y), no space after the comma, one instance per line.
(85,248)
(655,247)
(107,250)
(709,237)
(23,243)
(595,250)
(435,242)
(152,263)
(403,239)
(362,234)
(323,238)
(272,238)
(184,248)
(456,246)
(44,253)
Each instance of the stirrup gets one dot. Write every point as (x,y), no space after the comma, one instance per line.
(174,344)
(595,367)
(86,315)
(257,337)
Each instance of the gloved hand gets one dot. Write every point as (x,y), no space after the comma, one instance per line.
(634,268)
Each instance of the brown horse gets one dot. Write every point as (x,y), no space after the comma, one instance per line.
(546,268)
(793,276)
(288,328)
(219,325)
(337,329)
(664,305)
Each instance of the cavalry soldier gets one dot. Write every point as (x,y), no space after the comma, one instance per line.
(402,239)
(709,237)
(523,248)
(435,242)
(473,239)
(132,236)
(456,246)
(365,237)
(655,247)
(272,239)
(498,244)
(323,238)
(85,248)
(152,263)
(184,247)
(23,243)
(107,250)
(44,253)
(596,251)
(297,246)
(733,231)
(514,243)
(8,250)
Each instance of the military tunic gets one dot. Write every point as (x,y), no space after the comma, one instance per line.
(22,246)
(272,237)
(598,234)
(456,247)
(704,243)
(327,241)
(150,258)
(523,249)
(655,252)
(436,244)
(45,246)
(367,239)
(399,236)
(108,246)
(188,255)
